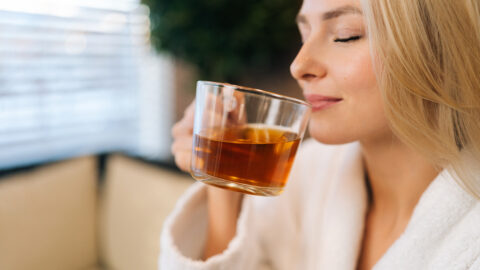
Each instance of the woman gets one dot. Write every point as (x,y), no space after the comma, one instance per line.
(391,179)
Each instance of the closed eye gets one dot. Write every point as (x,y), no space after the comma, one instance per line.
(352,38)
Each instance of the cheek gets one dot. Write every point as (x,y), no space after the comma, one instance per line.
(360,116)
(355,75)
(360,90)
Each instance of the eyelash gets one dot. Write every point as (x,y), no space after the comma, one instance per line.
(353,38)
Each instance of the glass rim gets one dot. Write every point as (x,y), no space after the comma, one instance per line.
(256,90)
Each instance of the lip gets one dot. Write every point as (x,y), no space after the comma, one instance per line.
(320,102)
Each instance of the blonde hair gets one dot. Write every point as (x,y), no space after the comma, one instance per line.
(427,55)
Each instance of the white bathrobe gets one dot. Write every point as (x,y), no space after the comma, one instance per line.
(318,223)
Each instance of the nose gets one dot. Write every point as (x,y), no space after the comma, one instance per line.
(307,66)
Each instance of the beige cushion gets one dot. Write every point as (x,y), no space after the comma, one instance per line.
(47,217)
(136,199)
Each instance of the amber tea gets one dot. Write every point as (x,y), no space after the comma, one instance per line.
(245,156)
(245,139)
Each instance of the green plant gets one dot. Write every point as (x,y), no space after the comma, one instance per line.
(226,39)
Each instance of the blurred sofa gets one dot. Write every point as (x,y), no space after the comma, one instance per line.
(63,217)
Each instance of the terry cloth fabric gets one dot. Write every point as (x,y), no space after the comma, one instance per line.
(318,223)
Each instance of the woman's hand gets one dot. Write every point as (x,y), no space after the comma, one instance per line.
(182,133)
(223,205)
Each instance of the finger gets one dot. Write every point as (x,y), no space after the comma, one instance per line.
(241,112)
(190,109)
(181,129)
(184,126)
(186,123)
(180,144)
(183,160)
(238,116)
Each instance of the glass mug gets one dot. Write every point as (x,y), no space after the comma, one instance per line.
(245,139)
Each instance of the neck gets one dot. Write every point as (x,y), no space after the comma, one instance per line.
(397,176)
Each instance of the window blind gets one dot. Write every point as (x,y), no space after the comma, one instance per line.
(69,78)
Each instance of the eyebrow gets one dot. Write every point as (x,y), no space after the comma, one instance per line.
(335,13)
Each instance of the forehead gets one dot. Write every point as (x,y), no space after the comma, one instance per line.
(322,6)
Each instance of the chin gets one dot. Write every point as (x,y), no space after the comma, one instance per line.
(329,133)
(330,139)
